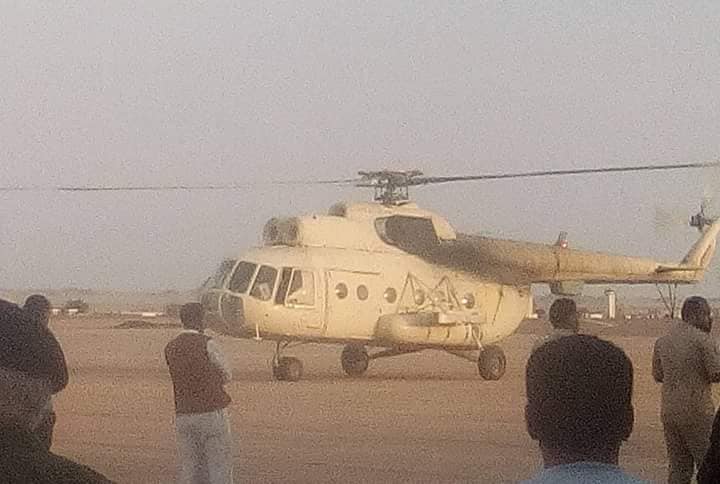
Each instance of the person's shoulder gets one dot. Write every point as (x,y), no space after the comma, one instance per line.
(45,467)
(584,473)
(62,469)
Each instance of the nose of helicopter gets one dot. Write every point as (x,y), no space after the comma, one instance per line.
(225,312)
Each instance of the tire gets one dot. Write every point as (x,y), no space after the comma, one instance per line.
(354,360)
(288,369)
(492,363)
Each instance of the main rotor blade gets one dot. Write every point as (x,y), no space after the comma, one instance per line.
(165,188)
(580,171)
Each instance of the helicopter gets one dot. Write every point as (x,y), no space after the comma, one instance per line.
(388,278)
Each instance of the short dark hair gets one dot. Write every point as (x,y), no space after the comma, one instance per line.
(696,311)
(37,306)
(579,394)
(191,316)
(563,314)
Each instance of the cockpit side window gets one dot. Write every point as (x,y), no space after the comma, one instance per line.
(222,272)
(302,289)
(283,286)
(264,283)
(242,276)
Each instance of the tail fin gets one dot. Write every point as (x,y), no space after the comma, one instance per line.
(702,251)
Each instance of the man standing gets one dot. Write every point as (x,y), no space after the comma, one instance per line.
(198,373)
(563,319)
(579,409)
(686,361)
(32,367)
(38,310)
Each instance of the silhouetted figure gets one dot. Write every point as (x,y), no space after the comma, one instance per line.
(579,409)
(199,373)
(31,348)
(38,309)
(709,472)
(686,361)
(24,391)
(563,319)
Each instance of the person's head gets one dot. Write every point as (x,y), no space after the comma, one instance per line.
(579,399)
(563,314)
(696,312)
(191,316)
(38,307)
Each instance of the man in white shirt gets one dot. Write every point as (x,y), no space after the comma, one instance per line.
(579,409)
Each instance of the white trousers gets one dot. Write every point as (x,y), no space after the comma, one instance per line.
(204,448)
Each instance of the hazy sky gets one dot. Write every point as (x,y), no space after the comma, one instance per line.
(183,92)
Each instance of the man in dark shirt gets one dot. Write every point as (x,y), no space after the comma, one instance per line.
(563,319)
(23,395)
(198,373)
(31,348)
(38,309)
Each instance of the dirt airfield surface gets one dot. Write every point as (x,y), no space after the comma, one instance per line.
(425,417)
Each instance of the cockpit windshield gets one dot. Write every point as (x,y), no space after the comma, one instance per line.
(242,276)
(222,272)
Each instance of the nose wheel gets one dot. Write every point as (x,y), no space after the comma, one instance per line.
(286,368)
(491,363)
(354,359)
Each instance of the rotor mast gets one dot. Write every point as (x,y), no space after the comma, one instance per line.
(391,187)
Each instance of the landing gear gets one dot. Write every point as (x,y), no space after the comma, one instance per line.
(286,368)
(354,359)
(491,363)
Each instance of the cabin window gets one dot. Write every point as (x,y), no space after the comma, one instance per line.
(362,292)
(242,276)
(302,289)
(341,291)
(222,272)
(284,285)
(264,283)
(468,301)
(390,295)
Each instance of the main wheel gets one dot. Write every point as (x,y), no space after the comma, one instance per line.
(354,359)
(491,363)
(288,369)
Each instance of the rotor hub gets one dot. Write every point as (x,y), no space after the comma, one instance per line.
(391,187)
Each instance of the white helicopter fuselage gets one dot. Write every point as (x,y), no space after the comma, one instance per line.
(400,278)
(387,298)
(355,275)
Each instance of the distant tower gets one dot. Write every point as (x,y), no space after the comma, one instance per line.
(611,304)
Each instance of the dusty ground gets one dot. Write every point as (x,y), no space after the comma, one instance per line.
(424,417)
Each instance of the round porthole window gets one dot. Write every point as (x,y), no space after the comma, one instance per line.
(390,295)
(468,301)
(341,291)
(362,292)
(419,297)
